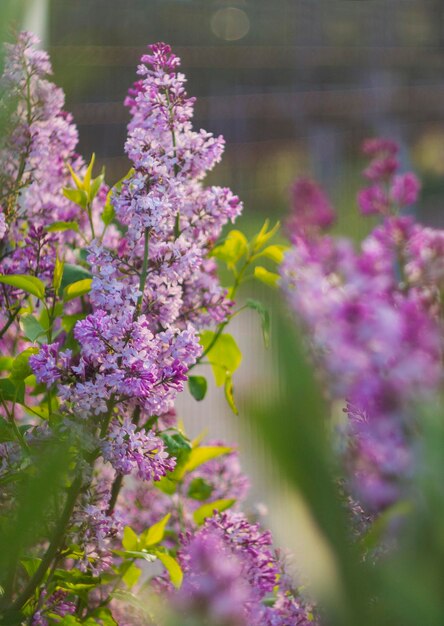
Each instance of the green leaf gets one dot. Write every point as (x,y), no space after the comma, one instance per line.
(21,368)
(165,485)
(31,327)
(155,533)
(207,510)
(30,284)
(96,183)
(30,565)
(11,390)
(77,289)
(78,183)
(379,527)
(58,274)
(264,235)
(228,388)
(199,489)
(172,567)
(177,225)
(198,387)
(136,554)
(232,249)
(225,355)
(265,276)
(265,318)
(6,431)
(73,273)
(78,196)
(105,616)
(130,539)
(131,576)
(58,227)
(6,363)
(203,454)
(108,213)
(88,174)
(275,253)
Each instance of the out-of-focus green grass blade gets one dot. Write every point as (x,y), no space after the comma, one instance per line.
(39,492)
(295,427)
(411,579)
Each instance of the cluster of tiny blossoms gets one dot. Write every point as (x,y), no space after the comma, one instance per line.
(229,569)
(373,318)
(153,287)
(35,155)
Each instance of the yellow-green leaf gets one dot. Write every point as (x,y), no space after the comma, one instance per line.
(224,356)
(132,575)
(155,533)
(77,289)
(207,510)
(228,387)
(58,274)
(78,196)
(264,235)
(88,174)
(274,253)
(172,567)
(78,183)
(269,278)
(203,454)
(58,227)
(232,249)
(130,539)
(30,284)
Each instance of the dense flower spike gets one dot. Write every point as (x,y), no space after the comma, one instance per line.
(385,351)
(227,549)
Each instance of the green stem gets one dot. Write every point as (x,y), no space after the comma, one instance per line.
(53,547)
(9,322)
(91,224)
(222,325)
(144,271)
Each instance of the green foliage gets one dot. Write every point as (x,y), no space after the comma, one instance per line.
(77,289)
(265,276)
(29,284)
(199,489)
(198,387)
(223,354)
(264,316)
(31,327)
(73,274)
(207,510)
(20,367)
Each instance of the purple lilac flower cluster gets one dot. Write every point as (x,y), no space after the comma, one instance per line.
(372,317)
(152,288)
(35,157)
(229,569)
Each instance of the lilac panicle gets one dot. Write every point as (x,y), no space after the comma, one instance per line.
(229,570)
(385,351)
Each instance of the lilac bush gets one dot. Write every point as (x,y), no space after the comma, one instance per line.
(110,297)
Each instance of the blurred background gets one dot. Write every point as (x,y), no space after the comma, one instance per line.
(294,86)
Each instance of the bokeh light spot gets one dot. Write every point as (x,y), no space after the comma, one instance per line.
(230,24)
